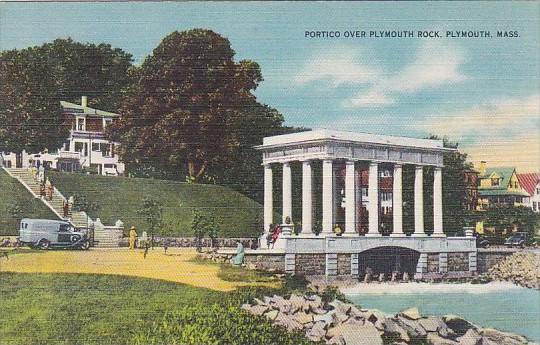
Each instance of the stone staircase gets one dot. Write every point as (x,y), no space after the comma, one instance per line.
(102,237)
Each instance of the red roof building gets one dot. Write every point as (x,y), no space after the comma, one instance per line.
(530,183)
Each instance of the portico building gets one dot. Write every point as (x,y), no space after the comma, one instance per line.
(362,192)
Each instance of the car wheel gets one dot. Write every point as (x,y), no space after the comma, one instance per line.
(486,245)
(522,245)
(44,244)
(85,245)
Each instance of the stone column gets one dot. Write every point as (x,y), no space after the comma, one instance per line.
(397,200)
(327,196)
(419,201)
(307,210)
(437,203)
(350,198)
(373,199)
(268,198)
(287,191)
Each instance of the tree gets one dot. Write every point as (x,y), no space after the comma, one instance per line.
(30,116)
(508,217)
(202,225)
(36,79)
(152,212)
(187,111)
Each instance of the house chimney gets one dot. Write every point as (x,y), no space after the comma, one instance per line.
(84,101)
(482,168)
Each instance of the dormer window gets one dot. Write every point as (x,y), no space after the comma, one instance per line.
(80,124)
(494,181)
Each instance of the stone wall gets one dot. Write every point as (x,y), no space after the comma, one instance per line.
(458,262)
(267,262)
(344,264)
(489,258)
(186,242)
(310,264)
(433,262)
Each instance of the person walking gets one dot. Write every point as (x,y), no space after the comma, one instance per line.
(132,237)
(50,189)
(41,174)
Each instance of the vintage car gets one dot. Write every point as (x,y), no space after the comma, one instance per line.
(45,234)
(520,239)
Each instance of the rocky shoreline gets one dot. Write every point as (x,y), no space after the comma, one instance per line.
(341,323)
(521,268)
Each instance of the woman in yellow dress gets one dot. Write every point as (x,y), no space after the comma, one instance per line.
(132,237)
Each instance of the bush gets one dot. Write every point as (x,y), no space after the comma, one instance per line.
(215,325)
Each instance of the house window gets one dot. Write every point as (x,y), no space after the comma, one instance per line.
(534,206)
(364,192)
(95,147)
(79,147)
(385,173)
(495,181)
(107,123)
(80,124)
(386,196)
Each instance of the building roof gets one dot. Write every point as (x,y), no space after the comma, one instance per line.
(343,136)
(79,109)
(500,192)
(528,182)
(503,172)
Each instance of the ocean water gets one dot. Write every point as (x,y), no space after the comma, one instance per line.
(500,306)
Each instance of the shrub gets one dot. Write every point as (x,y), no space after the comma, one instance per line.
(215,325)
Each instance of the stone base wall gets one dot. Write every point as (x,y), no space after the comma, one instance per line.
(458,262)
(489,258)
(310,264)
(344,264)
(273,262)
(191,242)
(433,262)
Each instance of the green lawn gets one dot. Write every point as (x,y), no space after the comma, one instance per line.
(85,309)
(56,309)
(13,193)
(121,197)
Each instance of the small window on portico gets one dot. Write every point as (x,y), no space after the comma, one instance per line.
(80,124)
(495,181)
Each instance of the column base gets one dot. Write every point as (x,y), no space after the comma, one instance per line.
(438,234)
(373,235)
(398,235)
(419,234)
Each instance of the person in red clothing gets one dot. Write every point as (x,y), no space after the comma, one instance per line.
(275,234)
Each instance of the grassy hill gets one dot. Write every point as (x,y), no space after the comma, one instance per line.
(121,197)
(14,196)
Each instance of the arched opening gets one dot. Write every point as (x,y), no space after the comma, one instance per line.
(387,260)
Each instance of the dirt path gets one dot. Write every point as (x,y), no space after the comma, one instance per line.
(175,266)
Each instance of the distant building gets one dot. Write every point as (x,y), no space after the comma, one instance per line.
(499,186)
(86,146)
(530,183)
(470,177)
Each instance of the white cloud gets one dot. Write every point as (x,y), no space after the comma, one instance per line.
(434,64)
(340,66)
(501,132)
(497,117)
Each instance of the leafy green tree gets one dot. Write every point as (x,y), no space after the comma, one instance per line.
(36,79)
(152,212)
(204,225)
(30,116)
(188,111)
(509,218)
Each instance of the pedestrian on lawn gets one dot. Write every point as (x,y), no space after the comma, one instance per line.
(132,237)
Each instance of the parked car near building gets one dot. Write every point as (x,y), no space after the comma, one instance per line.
(520,239)
(46,233)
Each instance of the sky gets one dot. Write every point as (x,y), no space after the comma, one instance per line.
(481,92)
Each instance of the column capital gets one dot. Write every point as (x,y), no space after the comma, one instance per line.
(373,163)
(267,165)
(286,164)
(350,162)
(419,167)
(306,161)
(398,165)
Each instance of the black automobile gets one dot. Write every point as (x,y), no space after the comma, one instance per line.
(520,239)
(481,241)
